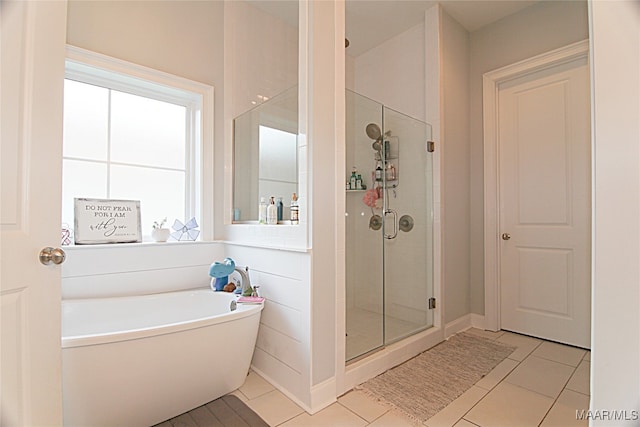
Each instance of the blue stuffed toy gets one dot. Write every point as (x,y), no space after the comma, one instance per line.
(219,272)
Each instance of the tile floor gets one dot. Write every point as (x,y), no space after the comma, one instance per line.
(540,384)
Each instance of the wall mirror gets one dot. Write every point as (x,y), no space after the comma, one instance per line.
(263,103)
(265,155)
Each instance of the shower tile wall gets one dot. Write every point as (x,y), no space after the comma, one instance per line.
(393,73)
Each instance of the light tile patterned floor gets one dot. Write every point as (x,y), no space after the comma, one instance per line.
(540,384)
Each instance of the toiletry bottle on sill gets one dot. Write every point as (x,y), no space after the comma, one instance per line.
(295,219)
(272,212)
(280,208)
(262,211)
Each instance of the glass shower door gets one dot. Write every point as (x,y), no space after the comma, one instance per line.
(364,262)
(407,226)
(389,217)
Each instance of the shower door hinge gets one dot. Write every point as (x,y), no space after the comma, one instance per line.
(432,303)
(431,146)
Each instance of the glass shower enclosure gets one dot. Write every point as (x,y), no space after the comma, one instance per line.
(389,226)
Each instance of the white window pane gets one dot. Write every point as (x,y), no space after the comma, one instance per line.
(81,179)
(146,131)
(86,114)
(161,193)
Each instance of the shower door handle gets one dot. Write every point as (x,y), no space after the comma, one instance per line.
(394,221)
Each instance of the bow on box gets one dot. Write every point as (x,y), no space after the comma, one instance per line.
(185,231)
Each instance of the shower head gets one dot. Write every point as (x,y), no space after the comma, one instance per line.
(373,131)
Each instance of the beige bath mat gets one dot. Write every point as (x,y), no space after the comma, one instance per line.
(424,385)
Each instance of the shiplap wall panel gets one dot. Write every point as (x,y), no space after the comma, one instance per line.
(118,270)
(119,258)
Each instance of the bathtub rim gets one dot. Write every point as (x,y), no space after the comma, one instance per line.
(243,311)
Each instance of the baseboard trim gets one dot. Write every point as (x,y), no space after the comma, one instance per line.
(283,390)
(322,395)
(477,321)
(471,320)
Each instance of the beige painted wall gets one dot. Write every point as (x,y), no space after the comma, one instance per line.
(455,168)
(184,38)
(540,28)
(262,55)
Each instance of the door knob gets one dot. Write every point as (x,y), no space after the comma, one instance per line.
(51,255)
(506,236)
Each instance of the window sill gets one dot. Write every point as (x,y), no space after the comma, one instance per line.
(287,222)
(74,247)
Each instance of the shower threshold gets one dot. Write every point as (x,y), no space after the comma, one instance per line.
(363,341)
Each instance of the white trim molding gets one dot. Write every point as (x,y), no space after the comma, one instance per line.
(490,85)
(456,326)
(471,320)
(96,68)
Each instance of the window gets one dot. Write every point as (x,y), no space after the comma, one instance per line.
(130,138)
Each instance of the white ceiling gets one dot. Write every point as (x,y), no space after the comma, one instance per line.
(371,22)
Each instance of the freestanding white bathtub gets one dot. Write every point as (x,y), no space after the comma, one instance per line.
(137,361)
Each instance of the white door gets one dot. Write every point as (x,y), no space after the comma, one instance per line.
(545,204)
(31,83)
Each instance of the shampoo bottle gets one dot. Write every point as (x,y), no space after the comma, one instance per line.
(294,209)
(280,208)
(378,174)
(272,212)
(262,211)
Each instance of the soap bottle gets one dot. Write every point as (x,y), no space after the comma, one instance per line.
(390,173)
(294,209)
(379,171)
(353,178)
(272,212)
(262,211)
(358,182)
(280,208)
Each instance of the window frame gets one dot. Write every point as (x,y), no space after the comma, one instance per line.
(101,70)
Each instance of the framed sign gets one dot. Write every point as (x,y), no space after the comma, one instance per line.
(106,221)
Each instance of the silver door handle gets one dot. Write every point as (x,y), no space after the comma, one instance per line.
(51,255)
(395,224)
(506,236)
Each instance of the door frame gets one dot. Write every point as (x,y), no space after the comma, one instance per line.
(491,82)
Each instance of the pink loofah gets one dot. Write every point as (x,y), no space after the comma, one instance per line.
(371,196)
